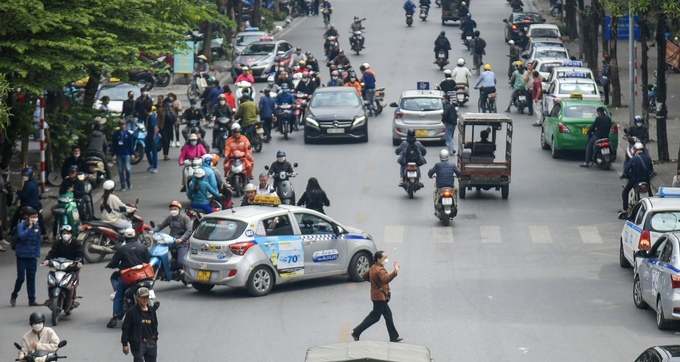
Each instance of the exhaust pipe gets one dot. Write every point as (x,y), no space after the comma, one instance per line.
(101,249)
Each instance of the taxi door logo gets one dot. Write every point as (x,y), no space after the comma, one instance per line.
(325,255)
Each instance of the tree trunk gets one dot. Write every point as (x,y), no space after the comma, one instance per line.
(592,49)
(255,18)
(276,9)
(644,74)
(571,19)
(661,134)
(614,63)
(229,11)
(207,39)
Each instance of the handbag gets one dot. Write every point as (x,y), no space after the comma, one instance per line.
(202,82)
(388,296)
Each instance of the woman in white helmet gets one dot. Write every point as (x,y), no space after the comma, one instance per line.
(271,86)
(113,210)
(461,73)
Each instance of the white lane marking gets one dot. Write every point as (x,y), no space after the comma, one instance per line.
(490,234)
(393,234)
(442,234)
(540,234)
(590,234)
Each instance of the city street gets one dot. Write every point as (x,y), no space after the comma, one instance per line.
(535,277)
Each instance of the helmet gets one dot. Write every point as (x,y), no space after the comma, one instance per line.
(639,146)
(463,3)
(245,68)
(341,51)
(444,155)
(305,75)
(639,119)
(211,80)
(460,62)
(73,168)
(284,86)
(221,96)
(199,173)
(129,233)
(442,33)
(511,42)
(298,48)
(28,172)
(193,137)
(66,228)
(280,153)
(332,26)
(356,18)
(36,317)
(335,73)
(195,130)
(270,79)
(487,66)
(366,65)
(176,204)
(215,159)
(236,127)
(207,159)
(410,133)
(519,63)
(302,63)
(250,187)
(447,72)
(109,185)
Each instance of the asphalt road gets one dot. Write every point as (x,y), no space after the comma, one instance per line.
(531,278)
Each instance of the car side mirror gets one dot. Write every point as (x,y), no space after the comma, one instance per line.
(153,224)
(339,230)
(295,164)
(280,52)
(393,104)
(505,21)
(525,56)
(641,254)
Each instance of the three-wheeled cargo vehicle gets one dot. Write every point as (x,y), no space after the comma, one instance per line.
(483,156)
(368,351)
(450,10)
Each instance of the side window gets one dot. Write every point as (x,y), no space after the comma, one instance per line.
(667,253)
(277,226)
(551,88)
(555,112)
(649,355)
(641,210)
(658,247)
(313,225)
(284,47)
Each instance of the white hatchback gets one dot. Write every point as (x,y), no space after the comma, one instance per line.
(564,88)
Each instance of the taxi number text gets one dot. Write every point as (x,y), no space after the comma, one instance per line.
(203,275)
(584,130)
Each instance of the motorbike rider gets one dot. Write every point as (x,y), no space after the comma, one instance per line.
(444,171)
(409,7)
(306,85)
(249,198)
(478,47)
(312,63)
(354,82)
(191,150)
(193,116)
(222,185)
(97,145)
(29,197)
(240,143)
(302,67)
(112,209)
(248,114)
(441,43)
(180,229)
(39,338)
(199,140)
(280,165)
(638,169)
(284,98)
(357,26)
(72,184)
(513,54)
(199,190)
(468,27)
(245,76)
(341,61)
(638,131)
(331,31)
(461,74)
(284,79)
(131,253)
(220,110)
(335,81)
(271,86)
(203,67)
(410,150)
(296,57)
(447,84)
(462,8)
(73,159)
(66,247)
(332,52)
(599,129)
(488,82)
(517,82)
(516,5)
(209,173)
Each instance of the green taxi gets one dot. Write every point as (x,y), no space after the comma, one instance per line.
(565,128)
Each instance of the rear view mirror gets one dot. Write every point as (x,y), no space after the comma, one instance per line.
(266,167)
(640,254)
(280,52)
(505,20)
(62,343)
(393,104)
(153,224)
(295,164)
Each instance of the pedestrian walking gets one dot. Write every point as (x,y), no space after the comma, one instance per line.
(123,150)
(267,107)
(537,97)
(152,138)
(27,254)
(605,76)
(450,120)
(380,296)
(166,123)
(140,329)
(177,108)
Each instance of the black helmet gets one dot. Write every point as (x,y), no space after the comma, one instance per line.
(410,133)
(36,317)
(284,86)
(73,168)
(442,33)
(30,211)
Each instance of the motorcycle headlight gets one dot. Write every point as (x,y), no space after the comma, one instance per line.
(66,280)
(358,121)
(311,121)
(51,280)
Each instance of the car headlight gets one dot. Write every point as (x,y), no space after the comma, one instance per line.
(359,120)
(311,121)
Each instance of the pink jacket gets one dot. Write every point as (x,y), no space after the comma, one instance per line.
(247,78)
(189,152)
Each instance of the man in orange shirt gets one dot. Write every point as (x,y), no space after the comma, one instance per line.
(239,143)
(353,82)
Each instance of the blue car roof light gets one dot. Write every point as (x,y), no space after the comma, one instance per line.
(669,191)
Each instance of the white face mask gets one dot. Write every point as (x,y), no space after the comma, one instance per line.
(25,178)
(385,261)
(222,103)
(37,327)
(174,212)
(280,159)
(66,238)
(193,143)
(34,220)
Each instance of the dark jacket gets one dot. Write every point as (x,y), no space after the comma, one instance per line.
(639,168)
(128,107)
(306,87)
(70,161)
(441,43)
(143,107)
(380,281)
(193,114)
(29,195)
(401,151)
(641,133)
(450,115)
(277,167)
(29,240)
(131,254)
(601,127)
(122,144)
(132,326)
(447,85)
(72,250)
(314,201)
(444,171)
(267,107)
(180,226)
(96,142)
(75,184)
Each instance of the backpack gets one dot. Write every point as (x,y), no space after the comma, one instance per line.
(412,153)
(480,44)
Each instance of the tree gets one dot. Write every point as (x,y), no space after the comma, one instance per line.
(614,62)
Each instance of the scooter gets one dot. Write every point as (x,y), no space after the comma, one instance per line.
(242,88)
(630,149)
(85,204)
(409,18)
(651,95)
(357,41)
(222,125)
(162,71)
(639,191)
(326,12)
(285,118)
(41,355)
(188,172)
(468,40)
(234,169)
(462,94)
(556,9)
(602,153)
(195,88)
(66,213)
(445,204)
(520,101)
(379,100)
(441,59)
(61,286)
(134,278)
(284,188)
(163,268)
(411,180)
(139,135)
(301,100)
(423,12)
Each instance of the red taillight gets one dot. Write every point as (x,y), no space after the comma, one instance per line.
(240,248)
(446,193)
(615,129)
(642,189)
(562,128)
(644,243)
(411,167)
(231,273)
(398,114)
(604,144)
(675,281)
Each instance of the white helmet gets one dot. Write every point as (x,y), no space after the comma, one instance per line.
(270,79)
(109,185)
(129,233)
(444,155)
(463,3)
(250,187)
(245,67)
(366,65)
(199,173)
(236,127)
(461,62)
(638,146)
(447,72)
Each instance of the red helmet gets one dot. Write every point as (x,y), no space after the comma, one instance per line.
(176,204)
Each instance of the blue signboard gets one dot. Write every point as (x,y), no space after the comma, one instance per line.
(622,31)
(184,59)
(423,85)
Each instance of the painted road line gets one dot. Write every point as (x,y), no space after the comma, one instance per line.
(442,234)
(590,234)
(490,234)
(393,234)
(540,234)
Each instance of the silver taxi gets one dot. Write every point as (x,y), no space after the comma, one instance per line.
(657,279)
(255,247)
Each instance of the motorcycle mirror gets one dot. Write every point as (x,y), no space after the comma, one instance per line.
(295,164)
(505,20)
(266,167)
(153,224)
(17,345)
(62,343)
(137,201)
(393,104)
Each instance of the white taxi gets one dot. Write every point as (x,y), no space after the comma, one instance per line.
(569,69)
(564,88)
(650,218)
(256,247)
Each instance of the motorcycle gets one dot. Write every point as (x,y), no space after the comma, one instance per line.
(134,278)
(490,102)
(301,100)
(160,258)
(66,212)
(96,169)
(188,172)
(99,238)
(630,150)
(423,12)
(639,191)
(411,180)
(330,41)
(161,74)
(409,18)
(441,59)
(234,169)
(61,286)
(326,12)
(602,153)
(462,94)
(357,41)
(222,125)
(284,188)
(379,100)
(651,94)
(445,205)
(41,355)
(285,119)
(139,134)
(468,40)
(85,204)
(254,134)
(242,88)
(195,88)
(556,9)
(520,101)
(142,77)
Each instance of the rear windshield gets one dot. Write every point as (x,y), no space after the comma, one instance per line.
(421,104)
(219,229)
(528,18)
(550,54)
(580,111)
(548,67)
(665,221)
(583,88)
(545,33)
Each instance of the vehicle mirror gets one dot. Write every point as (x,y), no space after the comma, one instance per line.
(137,201)
(525,56)
(17,345)
(153,224)
(266,167)
(280,52)
(505,20)
(295,164)
(640,253)
(339,229)
(62,343)
(393,104)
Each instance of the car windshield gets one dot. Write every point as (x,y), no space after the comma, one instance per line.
(219,229)
(545,33)
(421,104)
(552,53)
(548,67)
(119,92)
(580,111)
(527,18)
(335,99)
(547,44)
(247,39)
(583,88)
(665,221)
(259,49)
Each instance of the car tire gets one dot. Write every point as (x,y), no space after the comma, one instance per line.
(396,142)
(554,152)
(260,281)
(623,262)
(637,294)
(544,144)
(358,265)
(661,322)
(505,191)
(202,287)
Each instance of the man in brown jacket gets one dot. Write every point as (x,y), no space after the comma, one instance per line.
(380,295)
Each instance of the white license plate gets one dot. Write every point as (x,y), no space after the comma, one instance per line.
(605,151)
(468,37)
(461,97)
(442,56)
(336,130)
(447,201)
(81,236)
(522,98)
(259,131)
(411,174)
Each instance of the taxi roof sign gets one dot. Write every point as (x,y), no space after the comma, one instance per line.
(252,28)
(669,191)
(271,200)
(574,74)
(576,96)
(423,85)
(572,63)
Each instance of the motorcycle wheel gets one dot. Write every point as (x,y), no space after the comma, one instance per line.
(192,92)
(257,143)
(54,178)
(149,83)
(55,305)
(284,130)
(297,123)
(446,220)
(238,186)
(410,191)
(163,80)
(139,154)
(555,12)
(146,240)
(90,255)
(88,213)
(441,65)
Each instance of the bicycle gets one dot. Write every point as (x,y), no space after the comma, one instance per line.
(490,102)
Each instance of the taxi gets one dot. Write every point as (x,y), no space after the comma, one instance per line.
(256,247)
(565,128)
(656,283)
(650,218)
(545,65)
(568,69)
(564,88)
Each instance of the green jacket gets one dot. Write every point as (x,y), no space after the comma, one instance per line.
(517,79)
(248,113)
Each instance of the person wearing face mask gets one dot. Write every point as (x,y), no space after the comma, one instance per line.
(122,151)
(129,105)
(638,130)
(199,140)
(271,86)
(335,80)
(180,229)
(283,79)
(280,165)
(245,76)
(27,254)
(203,67)
(29,196)
(247,113)
(267,107)
(39,338)
(284,98)
(354,82)
(191,150)
(220,110)
(166,123)
(66,246)
(306,84)
(143,105)
(237,142)
(192,117)
(74,159)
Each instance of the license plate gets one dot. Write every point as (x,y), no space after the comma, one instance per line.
(461,97)
(441,56)
(336,130)
(447,201)
(468,37)
(411,174)
(584,130)
(259,131)
(81,236)
(605,151)
(522,98)
(203,275)
(421,133)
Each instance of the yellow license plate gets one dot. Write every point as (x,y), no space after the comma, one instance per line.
(203,275)
(584,130)
(421,133)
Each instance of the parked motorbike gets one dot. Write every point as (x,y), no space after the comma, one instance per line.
(284,188)
(357,41)
(409,19)
(139,135)
(96,170)
(66,212)
(61,285)
(285,119)
(85,204)
(142,77)
(254,134)
(556,9)
(651,95)
(602,153)
(424,12)
(441,59)
(188,172)
(462,94)
(445,205)
(162,71)
(379,100)
(164,268)
(639,191)
(411,180)
(234,169)
(222,125)
(99,238)
(134,278)
(520,101)
(43,356)
(195,88)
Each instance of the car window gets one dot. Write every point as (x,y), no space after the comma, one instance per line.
(421,104)
(582,88)
(541,53)
(545,33)
(258,49)
(548,67)
(219,229)
(580,111)
(275,226)
(313,225)
(247,39)
(641,210)
(335,99)
(555,112)
(667,252)
(649,355)
(284,47)
(665,221)
(658,247)
(527,18)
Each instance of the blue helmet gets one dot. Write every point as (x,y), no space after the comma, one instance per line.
(28,172)
(207,159)
(639,119)
(280,153)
